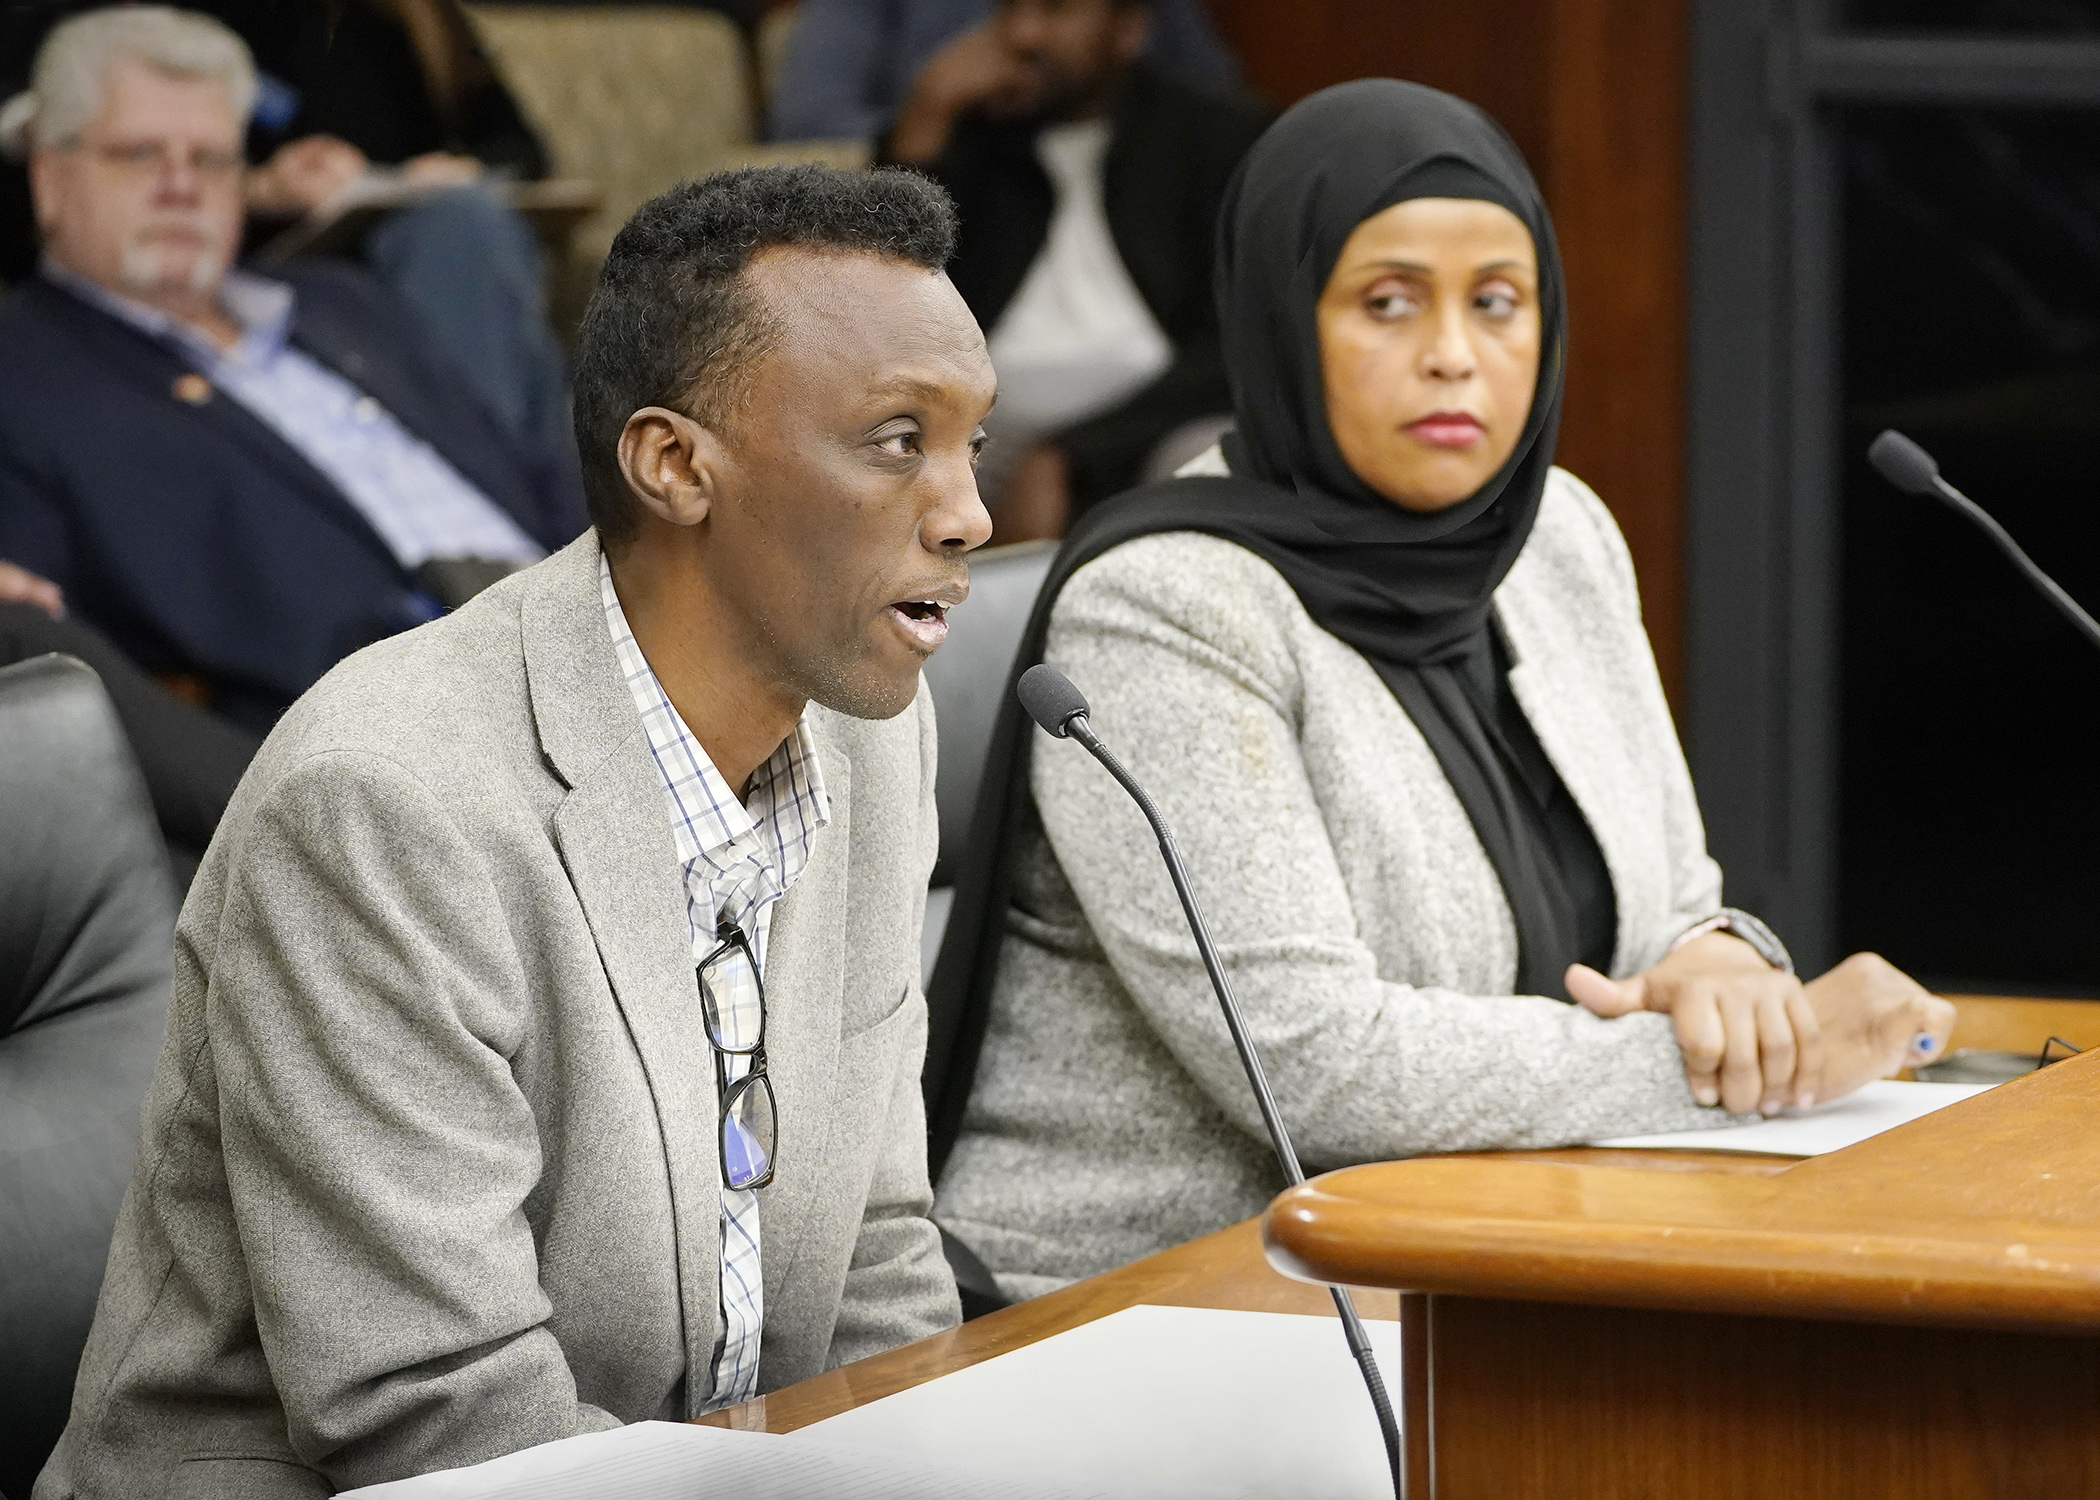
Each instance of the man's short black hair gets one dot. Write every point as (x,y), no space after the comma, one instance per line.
(672,322)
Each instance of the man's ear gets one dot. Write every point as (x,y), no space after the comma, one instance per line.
(673,465)
(44,188)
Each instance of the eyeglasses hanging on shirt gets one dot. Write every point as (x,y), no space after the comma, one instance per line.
(733,1003)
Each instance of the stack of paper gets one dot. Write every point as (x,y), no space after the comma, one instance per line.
(1827,1127)
(1269,1404)
(673,1461)
(1151,1403)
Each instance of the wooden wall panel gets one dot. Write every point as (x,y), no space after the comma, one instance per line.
(1594,92)
(1615,179)
(1488,51)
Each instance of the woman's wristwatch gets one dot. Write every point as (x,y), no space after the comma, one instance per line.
(1741,924)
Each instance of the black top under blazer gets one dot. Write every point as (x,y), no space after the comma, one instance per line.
(197,538)
(1173,148)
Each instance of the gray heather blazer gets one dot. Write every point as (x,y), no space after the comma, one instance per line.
(1367,934)
(428,1172)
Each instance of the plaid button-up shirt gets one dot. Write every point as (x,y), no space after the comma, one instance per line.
(739,857)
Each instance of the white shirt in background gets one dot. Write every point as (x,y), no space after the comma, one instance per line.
(1077,339)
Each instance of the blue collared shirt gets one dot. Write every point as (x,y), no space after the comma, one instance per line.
(420,505)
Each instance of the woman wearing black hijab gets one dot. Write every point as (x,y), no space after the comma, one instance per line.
(1383,666)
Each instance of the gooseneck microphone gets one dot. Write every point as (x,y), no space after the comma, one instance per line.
(1911,469)
(1060,710)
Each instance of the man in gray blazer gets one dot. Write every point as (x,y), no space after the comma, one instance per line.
(546,1034)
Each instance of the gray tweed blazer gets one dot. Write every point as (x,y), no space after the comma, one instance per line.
(428,1172)
(1367,934)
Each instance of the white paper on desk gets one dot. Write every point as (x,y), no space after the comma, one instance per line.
(675,1461)
(1269,1405)
(1878,1106)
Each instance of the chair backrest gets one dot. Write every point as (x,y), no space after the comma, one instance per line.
(634,98)
(968,676)
(87,913)
(775,30)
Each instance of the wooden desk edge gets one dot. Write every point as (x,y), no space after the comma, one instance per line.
(1602,1242)
(1852,1280)
(1226,1269)
(2012,1023)
(1223,1270)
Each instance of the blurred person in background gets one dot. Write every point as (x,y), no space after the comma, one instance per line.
(238,479)
(403,86)
(850,64)
(400,82)
(1088,182)
(351,91)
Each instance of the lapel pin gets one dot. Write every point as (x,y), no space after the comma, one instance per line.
(192,388)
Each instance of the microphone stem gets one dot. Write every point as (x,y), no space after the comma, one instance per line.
(2051,589)
(1353,1332)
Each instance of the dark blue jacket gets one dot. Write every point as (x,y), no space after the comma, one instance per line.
(193,534)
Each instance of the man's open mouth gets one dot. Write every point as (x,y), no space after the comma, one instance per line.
(923,621)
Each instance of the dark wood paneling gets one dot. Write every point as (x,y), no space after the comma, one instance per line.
(1614,177)
(1593,91)
(1495,53)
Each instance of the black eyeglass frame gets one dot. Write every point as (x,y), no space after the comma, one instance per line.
(728,1093)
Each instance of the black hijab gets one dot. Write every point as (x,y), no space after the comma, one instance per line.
(1414,593)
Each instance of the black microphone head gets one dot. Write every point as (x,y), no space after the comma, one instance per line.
(1050,698)
(1904,464)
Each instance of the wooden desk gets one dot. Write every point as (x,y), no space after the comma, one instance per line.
(1227,1269)
(1918,1315)
(2009,1023)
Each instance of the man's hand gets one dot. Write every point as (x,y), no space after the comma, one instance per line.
(975,68)
(441,169)
(1751,1039)
(20,586)
(1876,1019)
(302,175)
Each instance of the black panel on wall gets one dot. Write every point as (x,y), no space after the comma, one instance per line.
(1970,712)
(2001,16)
(1895,221)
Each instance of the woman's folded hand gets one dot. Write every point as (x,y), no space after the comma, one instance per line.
(1757,1038)
(1751,1039)
(1876,1019)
